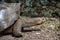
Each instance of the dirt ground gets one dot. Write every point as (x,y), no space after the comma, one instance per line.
(42,34)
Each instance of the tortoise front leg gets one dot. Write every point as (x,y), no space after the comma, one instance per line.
(17,28)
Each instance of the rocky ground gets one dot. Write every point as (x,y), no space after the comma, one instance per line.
(43,34)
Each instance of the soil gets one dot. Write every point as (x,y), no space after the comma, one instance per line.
(42,34)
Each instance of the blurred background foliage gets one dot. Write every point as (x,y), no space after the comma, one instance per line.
(38,8)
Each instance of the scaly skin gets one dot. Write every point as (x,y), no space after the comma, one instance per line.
(24,22)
